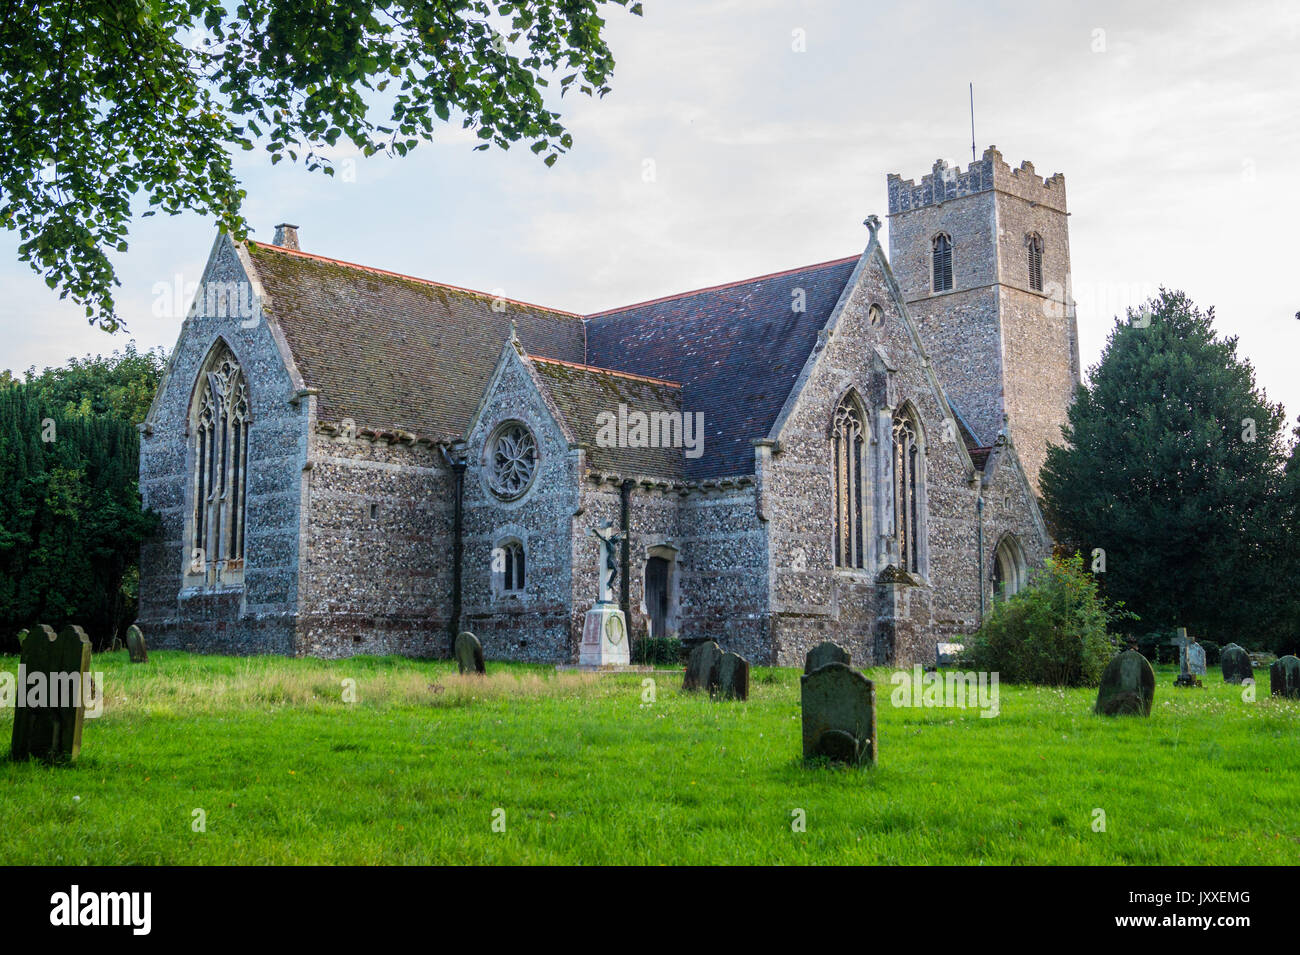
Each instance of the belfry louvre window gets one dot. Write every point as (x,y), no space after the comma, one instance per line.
(942,262)
(848,447)
(1035,244)
(219,435)
(907,519)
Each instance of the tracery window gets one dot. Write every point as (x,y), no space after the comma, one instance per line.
(219,445)
(1035,245)
(908,523)
(510,567)
(941,255)
(512,461)
(848,446)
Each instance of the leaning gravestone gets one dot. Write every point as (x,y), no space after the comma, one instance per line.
(702,667)
(135,643)
(469,654)
(1236,664)
(49,726)
(1128,686)
(839,715)
(823,654)
(1284,677)
(733,677)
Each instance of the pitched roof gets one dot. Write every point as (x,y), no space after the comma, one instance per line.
(583,394)
(390,351)
(736,349)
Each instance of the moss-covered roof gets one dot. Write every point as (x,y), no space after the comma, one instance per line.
(394,352)
(593,399)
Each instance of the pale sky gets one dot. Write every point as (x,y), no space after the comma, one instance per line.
(1177,126)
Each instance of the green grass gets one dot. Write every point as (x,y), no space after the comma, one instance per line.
(287,772)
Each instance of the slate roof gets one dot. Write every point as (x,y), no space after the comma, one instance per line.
(394,352)
(583,394)
(736,349)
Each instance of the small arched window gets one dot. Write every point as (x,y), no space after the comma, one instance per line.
(1034,242)
(508,566)
(219,451)
(848,445)
(908,523)
(941,256)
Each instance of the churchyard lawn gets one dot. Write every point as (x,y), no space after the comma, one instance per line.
(261,760)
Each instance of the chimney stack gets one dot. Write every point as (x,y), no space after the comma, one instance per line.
(286,236)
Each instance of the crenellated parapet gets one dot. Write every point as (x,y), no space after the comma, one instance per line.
(945,183)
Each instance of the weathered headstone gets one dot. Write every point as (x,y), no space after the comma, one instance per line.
(48,725)
(469,654)
(733,677)
(702,667)
(1235,662)
(839,715)
(135,643)
(116,645)
(1128,685)
(1284,677)
(947,654)
(1185,676)
(823,654)
(1195,659)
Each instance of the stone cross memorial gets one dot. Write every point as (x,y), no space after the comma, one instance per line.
(469,654)
(1235,662)
(1186,677)
(839,715)
(47,724)
(1284,677)
(604,629)
(1128,685)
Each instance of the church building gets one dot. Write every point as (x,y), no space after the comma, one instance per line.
(347,460)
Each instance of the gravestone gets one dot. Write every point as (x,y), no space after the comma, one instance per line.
(48,726)
(1235,662)
(469,654)
(1185,676)
(823,654)
(702,667)
(947,654)
(733,677)
(1284,677)
(1195,659)
(839,715)
(135,643)
(1128,686)
(116,645)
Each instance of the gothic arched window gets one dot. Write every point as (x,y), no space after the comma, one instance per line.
(941,255)
(848,441)
(219,445)
(508,561)
(908,520)
(1035,245)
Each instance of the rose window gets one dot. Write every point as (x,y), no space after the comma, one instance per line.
(513,461)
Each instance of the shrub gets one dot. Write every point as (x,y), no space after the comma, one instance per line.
(657,651)
(1052,632)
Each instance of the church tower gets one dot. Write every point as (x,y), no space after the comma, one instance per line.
(983,261)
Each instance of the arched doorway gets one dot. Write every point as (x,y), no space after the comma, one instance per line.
(1010,570)
(660,600)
